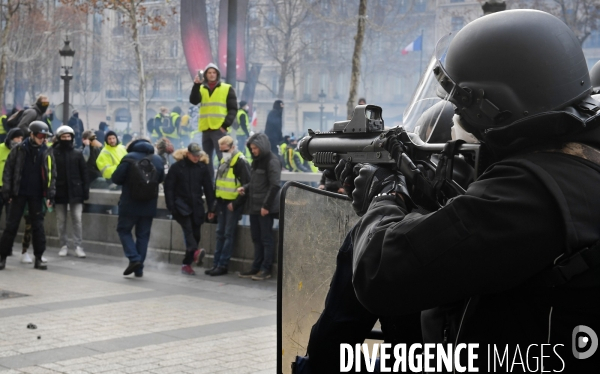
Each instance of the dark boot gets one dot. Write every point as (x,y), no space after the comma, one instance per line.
(39,264)
(2,263)
(219,271)
(133,266)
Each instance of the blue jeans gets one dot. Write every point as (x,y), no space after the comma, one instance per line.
(227,223)
(136,250)
(261,229)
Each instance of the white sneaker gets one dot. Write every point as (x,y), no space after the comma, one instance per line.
(26,259)
(44,260)
(63,251)
(79,252)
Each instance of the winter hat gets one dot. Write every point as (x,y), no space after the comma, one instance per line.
(109,133)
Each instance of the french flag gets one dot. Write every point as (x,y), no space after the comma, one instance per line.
(415,45)
(254,120)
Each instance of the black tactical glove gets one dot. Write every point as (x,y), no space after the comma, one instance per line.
(373,180)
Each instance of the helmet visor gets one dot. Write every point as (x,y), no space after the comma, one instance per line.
(423,98)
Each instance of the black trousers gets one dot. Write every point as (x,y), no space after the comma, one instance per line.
(13,218)
(191,236)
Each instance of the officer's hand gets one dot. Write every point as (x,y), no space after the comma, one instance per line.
(373,180)
(263,212)
(230,207)
(344,173)
(211,216)
(321,186)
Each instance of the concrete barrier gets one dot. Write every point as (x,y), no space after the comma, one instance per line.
(166,238)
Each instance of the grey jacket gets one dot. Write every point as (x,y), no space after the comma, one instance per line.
(263,189)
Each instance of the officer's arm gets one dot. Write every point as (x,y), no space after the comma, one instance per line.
(487,241)
(195,97)
(232,108)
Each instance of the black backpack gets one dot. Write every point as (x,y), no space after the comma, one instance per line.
(13,121)
(142,179)
(166,125)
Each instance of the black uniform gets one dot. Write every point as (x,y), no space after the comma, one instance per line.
(473,265)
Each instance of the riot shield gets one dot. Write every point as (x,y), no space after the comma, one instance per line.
(312,226)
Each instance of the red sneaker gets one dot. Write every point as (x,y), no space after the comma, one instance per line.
(187,269)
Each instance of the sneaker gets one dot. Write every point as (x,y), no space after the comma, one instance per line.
(208,271)
(187,269)
(248,274)
(63,251)
(261,276)
(79,252)
(26,259)
(44,260)
(133,266)
(199,256)
(39,265)
(218,271)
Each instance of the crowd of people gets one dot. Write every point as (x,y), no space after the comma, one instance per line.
(44,170)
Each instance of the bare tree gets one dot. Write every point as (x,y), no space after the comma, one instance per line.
(580,15)
(358,42)
(135,16)
(281,37)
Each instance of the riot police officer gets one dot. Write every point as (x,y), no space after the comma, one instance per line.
(511,262)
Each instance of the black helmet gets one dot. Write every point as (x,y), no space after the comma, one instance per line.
(37,127)
(595,77)
(512,75)
(435,124)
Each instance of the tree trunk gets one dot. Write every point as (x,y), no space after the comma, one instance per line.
(282,76)
(141,73)
(358,42)
(4,58)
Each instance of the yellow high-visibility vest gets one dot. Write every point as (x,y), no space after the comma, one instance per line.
(241,113)
(226,186)
(213,108)
(174,134)
(2,130)
(4,151)
(154,132)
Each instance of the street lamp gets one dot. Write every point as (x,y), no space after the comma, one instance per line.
(66,63)
(322,97)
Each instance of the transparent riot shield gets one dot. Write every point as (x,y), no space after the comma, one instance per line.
(312,226)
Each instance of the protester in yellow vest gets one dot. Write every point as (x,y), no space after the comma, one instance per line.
(241,124)
(218,109)
(2,128)
(233,173)
(175,124)
(185,129)
(295,159)
(110,157)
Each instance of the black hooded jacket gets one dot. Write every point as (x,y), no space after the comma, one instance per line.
(72,178)
(472,266)
(274,125)
(263,189)
(15,166)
